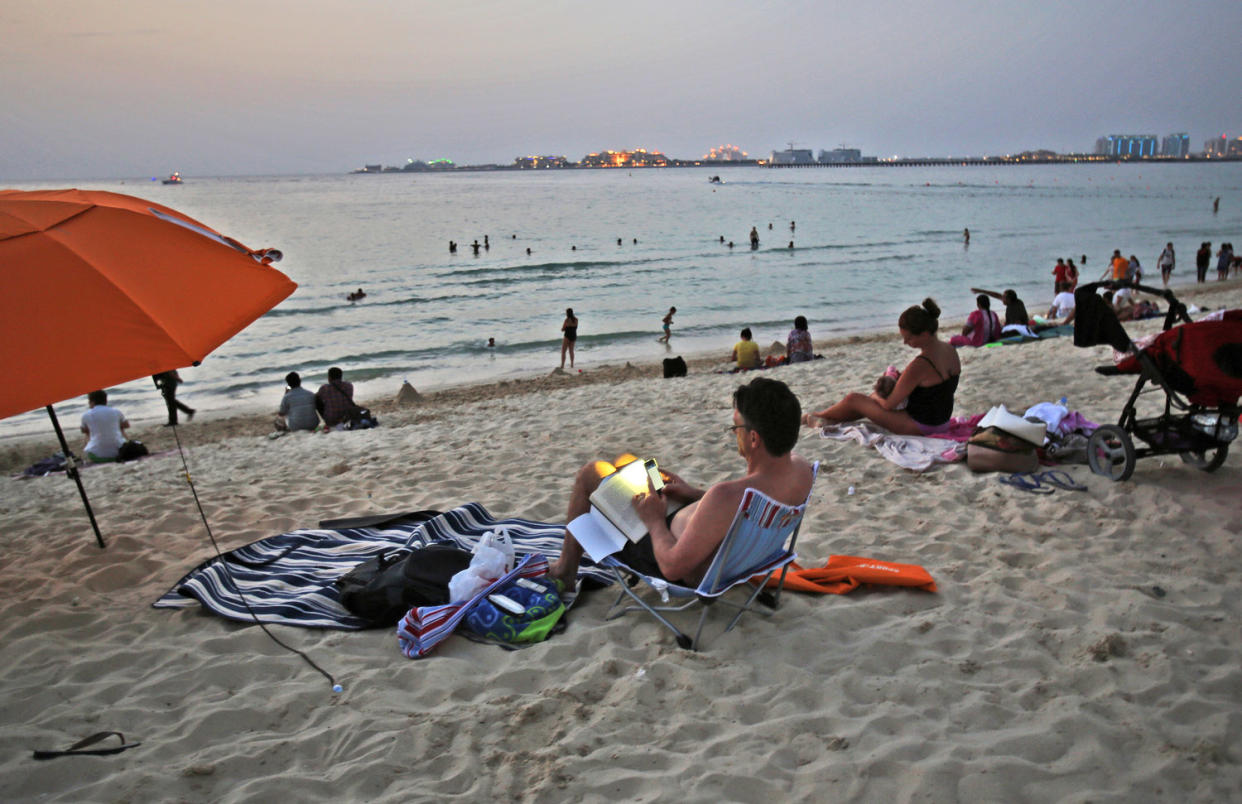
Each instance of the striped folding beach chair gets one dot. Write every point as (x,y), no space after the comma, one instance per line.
(759,542)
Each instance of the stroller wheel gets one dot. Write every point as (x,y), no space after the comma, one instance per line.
(1110,452)
(1209,460)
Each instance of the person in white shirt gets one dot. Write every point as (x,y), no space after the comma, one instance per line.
(104,428)
(1063,306)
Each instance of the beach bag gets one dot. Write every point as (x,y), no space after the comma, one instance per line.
(384,588)
(132,450)
(361,419)
(674,367)
(521,611)
(991,449)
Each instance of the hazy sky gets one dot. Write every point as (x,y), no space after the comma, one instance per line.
(131,88)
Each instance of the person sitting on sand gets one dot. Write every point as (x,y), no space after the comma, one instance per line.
(927,385)
(1015,309)
(335,399)
(1062,309)
(745,352)
(104,427)
(798,346)
(297,407)
(680,547)
(982,325)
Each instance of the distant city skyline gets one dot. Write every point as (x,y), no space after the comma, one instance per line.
(132,88)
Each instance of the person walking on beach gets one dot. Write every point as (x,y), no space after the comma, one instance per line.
(569,334)
(1060,273)
(1166,262)
(167,382)
(1224,257)
(1203,258)
(668,323)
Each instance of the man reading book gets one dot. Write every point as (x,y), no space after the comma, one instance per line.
(679,547)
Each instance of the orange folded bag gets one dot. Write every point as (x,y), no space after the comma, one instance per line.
(844,573)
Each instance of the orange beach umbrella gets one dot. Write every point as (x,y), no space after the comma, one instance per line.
(100,288)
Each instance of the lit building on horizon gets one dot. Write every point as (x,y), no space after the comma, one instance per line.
(639,157)
(838,156)
(725,153)
(793,156)
(1223,146)
(1127,145)
(535,162)
(1177,145)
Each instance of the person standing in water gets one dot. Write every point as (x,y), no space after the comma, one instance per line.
(754,237)
(668,323)
(569,334)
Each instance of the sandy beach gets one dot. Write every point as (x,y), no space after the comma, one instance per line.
(1082,646)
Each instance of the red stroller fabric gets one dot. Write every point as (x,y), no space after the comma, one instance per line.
(1202,360)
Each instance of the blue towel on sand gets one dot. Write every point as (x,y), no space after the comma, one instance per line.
(287,579)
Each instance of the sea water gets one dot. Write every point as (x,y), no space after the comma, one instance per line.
(622,246)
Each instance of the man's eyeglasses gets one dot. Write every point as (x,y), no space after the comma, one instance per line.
(734,428)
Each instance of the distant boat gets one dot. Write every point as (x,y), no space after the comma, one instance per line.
(174,178)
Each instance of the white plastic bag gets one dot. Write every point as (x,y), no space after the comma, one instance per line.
(493,557)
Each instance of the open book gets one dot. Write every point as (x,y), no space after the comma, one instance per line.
(604,529)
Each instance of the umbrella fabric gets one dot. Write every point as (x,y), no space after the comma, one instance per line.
(103,288)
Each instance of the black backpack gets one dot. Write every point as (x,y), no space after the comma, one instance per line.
(674,367)
(384,588)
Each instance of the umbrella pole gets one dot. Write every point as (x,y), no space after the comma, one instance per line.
(72,468)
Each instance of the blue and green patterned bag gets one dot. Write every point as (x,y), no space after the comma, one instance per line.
(522,611)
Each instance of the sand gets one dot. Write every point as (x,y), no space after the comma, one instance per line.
(1083,646)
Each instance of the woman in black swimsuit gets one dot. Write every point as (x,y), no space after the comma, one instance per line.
(569,331)
(926,386)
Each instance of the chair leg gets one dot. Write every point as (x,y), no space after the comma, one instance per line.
(746,606)
(683,640)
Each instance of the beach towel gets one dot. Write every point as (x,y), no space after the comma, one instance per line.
(845,573)
(916,453)
(287,579)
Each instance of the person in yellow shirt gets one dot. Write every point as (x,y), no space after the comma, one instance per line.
(746,352)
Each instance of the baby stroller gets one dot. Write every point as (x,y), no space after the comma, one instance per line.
(1198,365)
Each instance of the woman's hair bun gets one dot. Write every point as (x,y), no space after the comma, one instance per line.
(933,309)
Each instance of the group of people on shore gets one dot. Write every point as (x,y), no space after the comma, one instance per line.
(798,349)
(333,403)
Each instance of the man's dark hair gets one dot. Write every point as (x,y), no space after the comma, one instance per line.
(293,380)
(746,333)
(335,373)
(97,397)
(770,409)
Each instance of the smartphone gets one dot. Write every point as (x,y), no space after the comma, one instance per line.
(653,473)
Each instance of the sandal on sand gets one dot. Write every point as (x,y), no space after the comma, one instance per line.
(1026,481)
(1060,479)
(80,748)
